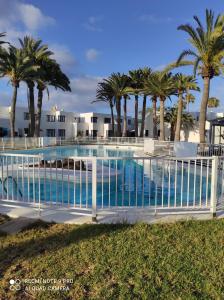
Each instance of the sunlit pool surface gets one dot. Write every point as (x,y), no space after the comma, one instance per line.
(136,184)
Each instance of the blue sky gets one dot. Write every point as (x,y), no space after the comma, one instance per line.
(92,39)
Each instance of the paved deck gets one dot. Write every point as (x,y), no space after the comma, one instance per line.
(81,216)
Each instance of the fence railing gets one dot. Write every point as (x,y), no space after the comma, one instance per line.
(32,142)
(168,184)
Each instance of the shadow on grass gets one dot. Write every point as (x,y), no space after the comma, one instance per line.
(35,246)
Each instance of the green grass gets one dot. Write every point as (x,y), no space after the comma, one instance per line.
(184,260)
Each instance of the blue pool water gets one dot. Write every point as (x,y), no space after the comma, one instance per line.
(80,150)
(135,184)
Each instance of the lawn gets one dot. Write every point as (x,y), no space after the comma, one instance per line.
(184,260)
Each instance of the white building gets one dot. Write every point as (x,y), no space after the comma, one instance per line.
(215,135)
(58,123)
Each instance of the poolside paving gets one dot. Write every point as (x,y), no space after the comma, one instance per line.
(25,212)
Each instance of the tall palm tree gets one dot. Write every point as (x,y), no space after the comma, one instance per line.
(105,93)
(161,86)
(125,128)
(136,85)
(171,118)
(183,84)
(145,75)
(120,86)
(213,102)
(208,53)
(15,65)
(51,75)
(36,52)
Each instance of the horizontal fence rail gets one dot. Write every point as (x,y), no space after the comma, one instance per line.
(99,183)
(32,142)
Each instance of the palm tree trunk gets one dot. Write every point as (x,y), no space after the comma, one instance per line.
(155,135)
(118,108)
(172,132)
(179,117)
(112,117)
(39,111)
(31,109)
(143,116)
(125,117)
(13,111)
(203,110)
(162,128)
(136,115)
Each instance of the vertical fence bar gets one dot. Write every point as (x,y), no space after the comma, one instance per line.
(214,181)
(94,189)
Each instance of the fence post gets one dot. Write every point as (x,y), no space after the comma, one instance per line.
(214,180)
(25,143)
(39,188)
(94,189)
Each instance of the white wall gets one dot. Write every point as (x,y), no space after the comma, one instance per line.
(75,124)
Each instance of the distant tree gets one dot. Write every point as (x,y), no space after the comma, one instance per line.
(187,121)
(136,85)
(161,86)
(213,102)
(104,93)
(183,84)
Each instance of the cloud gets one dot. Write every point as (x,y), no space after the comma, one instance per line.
(79,100)
(92,54)
(19,19)
(33,18)
(64,57)
(154,19)
(92,24)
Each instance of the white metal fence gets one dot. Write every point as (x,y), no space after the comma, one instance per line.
(31,142)
(158,183)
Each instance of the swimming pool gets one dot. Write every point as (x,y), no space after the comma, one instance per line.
(121,179)
(81,150)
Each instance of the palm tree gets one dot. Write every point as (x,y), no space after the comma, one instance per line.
(136,85)
(187,121)
(17,67)
(208,53)
(36,52)
(120,86)
(189,98)
(125,96)
(104,93)
(213,102)
(145,75)
(160,85)
(183,84)
(51,75)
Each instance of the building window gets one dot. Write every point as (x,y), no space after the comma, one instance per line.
(61,118)
(129,121)
(107,120)
(87,132)
(109,133)
(51,132)
(26,131)
(93,119)
(146,132)
(50,118)
(94,133)
(61,133)
(26,116)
